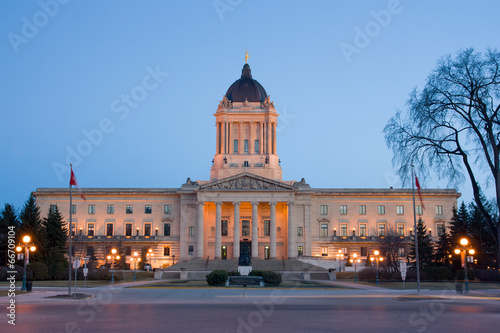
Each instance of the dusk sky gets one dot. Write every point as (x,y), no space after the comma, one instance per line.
(126,90)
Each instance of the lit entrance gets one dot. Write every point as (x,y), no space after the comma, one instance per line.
(267,252)
(224,252)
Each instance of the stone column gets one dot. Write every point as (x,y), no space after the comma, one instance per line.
(261,138)
(307,225)
(251,138)
(199,236)
(218,243)
(291,233)
(241,141)
(236,230)
(182,233)
(273,230)
(255,230)
(274,139)
(230,127)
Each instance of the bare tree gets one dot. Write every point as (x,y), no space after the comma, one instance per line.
(452,127)
(389,247)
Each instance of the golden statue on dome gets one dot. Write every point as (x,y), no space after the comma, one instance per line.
(246,56)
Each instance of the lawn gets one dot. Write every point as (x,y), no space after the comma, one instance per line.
(433,285)
(203,284)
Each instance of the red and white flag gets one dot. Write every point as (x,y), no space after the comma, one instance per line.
(73,182)
(419,194)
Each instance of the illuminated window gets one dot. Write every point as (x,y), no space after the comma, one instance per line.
(343,229)
(166,250)
(381,210)
(90,229)
(300,250)
(324,251)
(362,209)
(381,229)
(324,230)
(343,210)
(401,230)
(362,230)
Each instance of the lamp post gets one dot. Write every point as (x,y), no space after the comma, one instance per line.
(463,249)
(27,249)
(173,259)
(150,255)
(135,259)
(112,257)
(378,258)
(355,261)
(340,257)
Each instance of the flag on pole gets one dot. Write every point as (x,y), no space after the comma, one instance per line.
(419,193)
(73,182)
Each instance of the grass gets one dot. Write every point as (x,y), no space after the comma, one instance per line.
(6,292)
(203,284)
(432,285)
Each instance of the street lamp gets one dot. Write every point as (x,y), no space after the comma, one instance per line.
(340,257)
(463,250)
(27,249)
(112,257)
(355,261)
(173,259)
(150,255)
(378,258)
(135,259)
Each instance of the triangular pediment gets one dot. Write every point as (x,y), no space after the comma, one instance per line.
(246,181)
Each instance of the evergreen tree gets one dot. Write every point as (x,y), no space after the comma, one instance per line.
(31,225)
(480,238)
(143,262)
(54,243)
(443,249)
(8,219)
(425,248)
(459,224)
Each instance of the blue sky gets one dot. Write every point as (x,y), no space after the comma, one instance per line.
(336,71)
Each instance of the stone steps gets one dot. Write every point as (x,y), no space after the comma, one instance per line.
(232,265)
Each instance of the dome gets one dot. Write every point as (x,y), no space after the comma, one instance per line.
(246,88)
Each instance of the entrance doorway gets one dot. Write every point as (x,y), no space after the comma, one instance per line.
(267,252)
(224,252)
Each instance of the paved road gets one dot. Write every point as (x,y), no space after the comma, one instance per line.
(118,309)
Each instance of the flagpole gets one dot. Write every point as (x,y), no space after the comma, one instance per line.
(415,228)
(69,228)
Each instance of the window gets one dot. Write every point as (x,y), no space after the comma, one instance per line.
(401,252)
(223,230)
(90,251)
(235,150)
(148,209)
(256,146)
(323,209)
(91,209)
(191,230)
(401,230)
(111,209)
(129,209)
(419,210)
(109,229)
(362,210)
(166,250)
(400,210)
(245,227)
(324,230)
(324,251)
(362,230)
(364,251)
(300,231)
(300,250)
(128,229)
(343,210)
(166,229)
(245,146)
(191,250)
(439,210)
(267,228)
(73,209)
(381,229)
(440,229)
(343,229)
(147,229)
(52,208)
(381,210)
(167,209)
(128,250)
(90,229)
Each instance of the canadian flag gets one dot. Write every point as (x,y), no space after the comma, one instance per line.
(72,182)
(419,194)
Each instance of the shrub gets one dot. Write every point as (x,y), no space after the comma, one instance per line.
(271,278)
(443,273)
(39,269)
(233,273)
(255,273)
(460,274)
(345,275)
(369,273)
(217,278)
(488,274)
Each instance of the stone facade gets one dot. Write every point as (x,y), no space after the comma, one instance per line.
(244,202)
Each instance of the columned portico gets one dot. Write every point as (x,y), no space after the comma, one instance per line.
(218,229)
(236,230)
